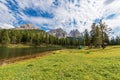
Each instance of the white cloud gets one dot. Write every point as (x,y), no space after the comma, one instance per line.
(5,15)
(83,11)
(6,26)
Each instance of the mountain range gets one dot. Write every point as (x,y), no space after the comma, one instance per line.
(60,33)
(22,27)
(27,26)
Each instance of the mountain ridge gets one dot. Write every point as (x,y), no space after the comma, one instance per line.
(59,32)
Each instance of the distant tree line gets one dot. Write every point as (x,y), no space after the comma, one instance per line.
(36,37)
(115,40)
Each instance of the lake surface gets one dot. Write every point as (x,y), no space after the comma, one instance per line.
(7,53)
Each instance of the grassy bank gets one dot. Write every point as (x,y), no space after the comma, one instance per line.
(16,46)
(68,64)
(27,45)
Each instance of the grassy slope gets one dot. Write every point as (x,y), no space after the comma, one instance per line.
(69,64)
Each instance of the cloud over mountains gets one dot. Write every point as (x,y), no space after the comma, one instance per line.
(67,14)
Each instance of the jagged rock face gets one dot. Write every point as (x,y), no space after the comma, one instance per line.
(60,33)
(74,33)
(27,26)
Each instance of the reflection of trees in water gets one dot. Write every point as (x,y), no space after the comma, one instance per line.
(6,53)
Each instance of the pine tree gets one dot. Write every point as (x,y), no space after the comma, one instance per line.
(92,34)
(97,37)
(87,37)
(5,37)
(104,32)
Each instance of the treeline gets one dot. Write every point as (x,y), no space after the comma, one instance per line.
(34,37)
(98,36)
(115,40)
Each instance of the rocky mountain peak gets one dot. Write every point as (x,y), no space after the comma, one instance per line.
(74,33)
(27,26)
(59,32)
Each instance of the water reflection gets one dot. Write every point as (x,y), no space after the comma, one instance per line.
(6,53)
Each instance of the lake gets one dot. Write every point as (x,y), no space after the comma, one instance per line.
(7,53)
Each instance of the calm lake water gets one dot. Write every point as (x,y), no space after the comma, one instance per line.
(7,53)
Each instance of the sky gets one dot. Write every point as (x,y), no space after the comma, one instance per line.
(66,14)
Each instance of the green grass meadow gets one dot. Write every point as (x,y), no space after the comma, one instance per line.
(67,64)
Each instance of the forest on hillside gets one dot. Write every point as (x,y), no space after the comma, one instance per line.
(34,37)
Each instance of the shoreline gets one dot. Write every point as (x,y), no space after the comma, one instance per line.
(23,58)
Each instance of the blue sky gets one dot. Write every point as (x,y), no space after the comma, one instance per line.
(67,14)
